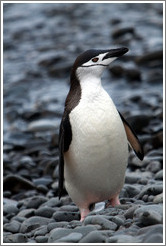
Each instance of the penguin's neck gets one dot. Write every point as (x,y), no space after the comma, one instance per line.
(91,87)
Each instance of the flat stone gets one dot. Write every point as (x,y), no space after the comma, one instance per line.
(42,231)
(153,189)
(41,239)
(54,225)
(15,183)
(32,223)
(15,238)
(36,201)
(149,214)
(159,175)
(73,237)
(10,209)
(100,220)
(43,125)
(45,211)
(58,233)
(158,198)
(26,213)
(123,239)
(52,202)
(93,237)
(13,226)
(66,216)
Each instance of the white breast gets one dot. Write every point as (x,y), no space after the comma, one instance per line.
(96,161)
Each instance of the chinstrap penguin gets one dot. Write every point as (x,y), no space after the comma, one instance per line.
(94,136)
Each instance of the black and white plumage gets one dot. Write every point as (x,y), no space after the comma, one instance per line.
(94,136)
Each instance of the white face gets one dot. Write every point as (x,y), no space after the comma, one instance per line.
(94,67)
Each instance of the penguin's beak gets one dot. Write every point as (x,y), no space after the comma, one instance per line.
(116,53)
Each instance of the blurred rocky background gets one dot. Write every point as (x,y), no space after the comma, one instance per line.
(41,42)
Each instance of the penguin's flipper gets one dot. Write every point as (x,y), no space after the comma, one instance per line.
(133,139)
(65,137)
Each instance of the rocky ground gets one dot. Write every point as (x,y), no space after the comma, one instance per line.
(41,42)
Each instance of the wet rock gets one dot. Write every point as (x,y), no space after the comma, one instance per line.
(100,220)
(73,237)
(159,175)
(119,32)
(27,213)
(45,212)
(132,177)
(154,166)
(58,233)
(155,238)
(66,216)
(43,125)
(41,239)
(10,209)
(15,238)
(117,70)
(54,225)
(42,231)
(27,162)
(151,190)
(36,201)
(32,223)
(15,183)
(130,212)
(43,181)
(149,215)
(123,239)
(151,56)
(53,202)
(13,226)
(158,198)
(133,74)
(131,191)
(93,237)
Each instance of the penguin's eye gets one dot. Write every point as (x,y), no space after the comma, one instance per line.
(95,59)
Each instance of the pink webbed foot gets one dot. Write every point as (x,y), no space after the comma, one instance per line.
(84,212)
(113,201)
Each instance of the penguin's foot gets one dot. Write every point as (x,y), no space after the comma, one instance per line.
(84,212)
(113,201)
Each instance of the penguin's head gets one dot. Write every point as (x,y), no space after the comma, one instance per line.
(93,62)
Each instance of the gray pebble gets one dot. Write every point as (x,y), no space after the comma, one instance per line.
(154,166)
(100,220)
(73,237)
(151,190)
(159,175)
(42,231)
(130,212)
(131,190)
(84,230)
(54,225)
(158,198)
(36,201)
(27,213)
(15,238)
(52,202)
(32,223)
(41,239)
(45,211)
(154,238)
(123,239)
(58,233)
(70,208)
(10,209)
(93,237)
(13,226)
(132,177)
(43,125)
(149,214)
(66,216)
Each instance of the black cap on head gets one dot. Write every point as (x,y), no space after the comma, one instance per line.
(87,55)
